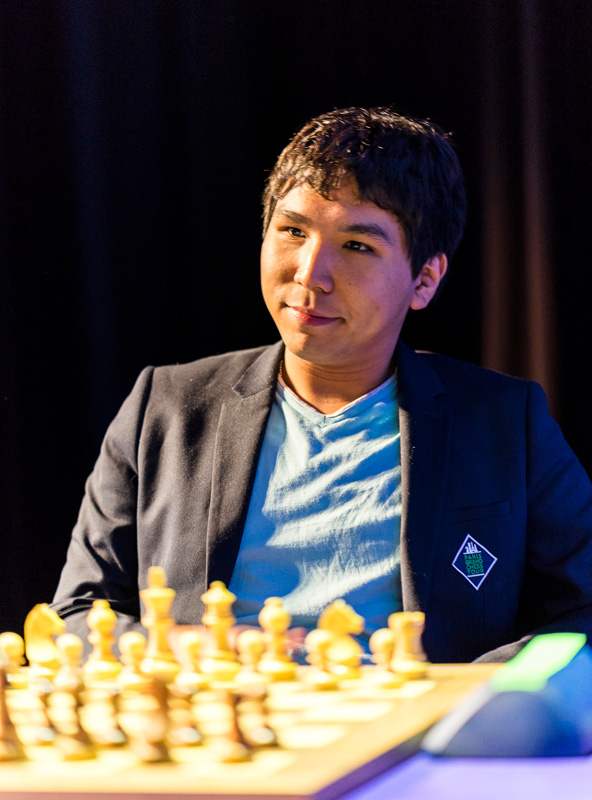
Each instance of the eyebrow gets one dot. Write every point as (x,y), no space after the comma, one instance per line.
(367,229)
(364,228)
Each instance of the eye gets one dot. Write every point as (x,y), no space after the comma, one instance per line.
(359,247)
(296,232)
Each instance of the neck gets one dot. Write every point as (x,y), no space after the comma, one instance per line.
(327,387)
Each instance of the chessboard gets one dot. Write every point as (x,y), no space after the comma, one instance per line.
(328,743)
(222,718)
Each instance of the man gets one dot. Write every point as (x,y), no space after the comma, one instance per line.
(339,463)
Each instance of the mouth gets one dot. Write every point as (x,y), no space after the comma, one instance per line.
(311,316)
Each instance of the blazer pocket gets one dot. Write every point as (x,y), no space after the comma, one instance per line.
(476,512)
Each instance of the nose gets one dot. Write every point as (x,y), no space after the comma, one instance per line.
(316,264)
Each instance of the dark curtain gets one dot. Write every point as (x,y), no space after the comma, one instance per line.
(135,136)
(536,168)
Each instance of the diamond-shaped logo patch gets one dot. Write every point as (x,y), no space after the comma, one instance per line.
(473,561)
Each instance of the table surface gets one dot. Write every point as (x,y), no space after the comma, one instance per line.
(425,777)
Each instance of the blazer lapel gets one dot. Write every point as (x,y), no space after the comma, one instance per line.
(241,428)
(425,425)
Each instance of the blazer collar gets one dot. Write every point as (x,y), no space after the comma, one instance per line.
(261,375)
(425,421)
(241,429)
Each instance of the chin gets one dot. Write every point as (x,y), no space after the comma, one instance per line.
(314,354)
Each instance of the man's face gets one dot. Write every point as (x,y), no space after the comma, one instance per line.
(336,278)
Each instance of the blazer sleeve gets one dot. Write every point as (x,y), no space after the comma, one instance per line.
(557,588)
(102,558)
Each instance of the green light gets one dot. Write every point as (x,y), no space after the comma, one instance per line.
(542,657)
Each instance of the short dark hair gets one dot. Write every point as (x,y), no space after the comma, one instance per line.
(403,165)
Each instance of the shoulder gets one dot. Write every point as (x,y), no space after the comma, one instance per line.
(216,375)
(453,371)
(225,366)
(469,386)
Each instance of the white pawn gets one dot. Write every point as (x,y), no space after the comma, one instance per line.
(190,679)
(319,675)
(10,746)
(132,646)
(102,664)
(69,676)
(14,648)
(275,620)
(66,701)
(250,645)
(382,645)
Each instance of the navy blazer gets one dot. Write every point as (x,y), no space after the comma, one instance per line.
(480,457)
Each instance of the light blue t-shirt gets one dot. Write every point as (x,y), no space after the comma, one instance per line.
(324,517)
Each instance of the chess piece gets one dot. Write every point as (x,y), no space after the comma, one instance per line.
(132,647)
(319,676)
(158,599)
(102,665)
(343,653)
(69,676)
(40,731)
(183,731)
(145,720)
(275,663)
(220,662)
(253,716)
(190,679)
(232,745)
(409,659)
(41,624)
(382,645)
(14,648)
(10,746)
(65,704)
(250,647)
(100,716)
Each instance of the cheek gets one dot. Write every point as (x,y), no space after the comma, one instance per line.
(386,301)
(267,265)
(378,296)
(271,281)
(273,261)
(270,278)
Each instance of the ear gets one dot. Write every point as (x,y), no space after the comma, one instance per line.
(428,280)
